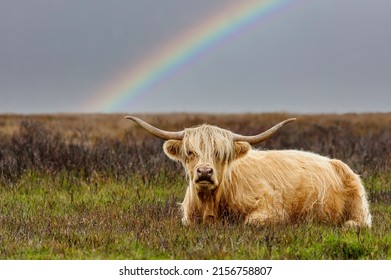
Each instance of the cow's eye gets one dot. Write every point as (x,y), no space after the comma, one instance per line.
(220,157)
(190,155)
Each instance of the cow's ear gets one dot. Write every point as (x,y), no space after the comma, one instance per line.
(173,149)
(241,149)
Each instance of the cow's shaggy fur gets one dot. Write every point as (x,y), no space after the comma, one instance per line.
(265,186)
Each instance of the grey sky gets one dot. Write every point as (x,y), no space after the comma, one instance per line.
(313,57)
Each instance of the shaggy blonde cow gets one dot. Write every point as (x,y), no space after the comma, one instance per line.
(229,178)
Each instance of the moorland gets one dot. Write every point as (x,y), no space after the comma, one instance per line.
(96,186)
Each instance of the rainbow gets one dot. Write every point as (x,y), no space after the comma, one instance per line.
(190,45)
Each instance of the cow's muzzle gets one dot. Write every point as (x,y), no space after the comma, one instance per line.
(204,174)
(205,179)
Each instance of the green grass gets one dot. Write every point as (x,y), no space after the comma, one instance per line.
(61,216)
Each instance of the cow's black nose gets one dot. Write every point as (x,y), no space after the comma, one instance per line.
(204,173)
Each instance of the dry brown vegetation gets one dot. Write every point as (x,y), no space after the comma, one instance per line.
(109,143)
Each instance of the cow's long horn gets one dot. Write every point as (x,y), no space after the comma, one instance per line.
(262,136)
(165,135)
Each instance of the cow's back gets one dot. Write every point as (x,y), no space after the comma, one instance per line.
(291,184)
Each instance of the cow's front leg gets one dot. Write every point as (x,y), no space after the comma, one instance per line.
(262,217)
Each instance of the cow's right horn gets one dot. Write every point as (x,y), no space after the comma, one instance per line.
(162,134)
(255,139)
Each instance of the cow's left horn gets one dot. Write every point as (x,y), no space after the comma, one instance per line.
(262,136)
(165,135)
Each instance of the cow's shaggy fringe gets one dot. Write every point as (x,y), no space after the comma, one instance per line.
(209,142)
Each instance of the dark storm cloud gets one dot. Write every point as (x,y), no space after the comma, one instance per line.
(316,56)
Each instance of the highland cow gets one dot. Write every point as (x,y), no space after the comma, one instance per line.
(227,178)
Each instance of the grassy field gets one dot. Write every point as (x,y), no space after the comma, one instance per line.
(99,187)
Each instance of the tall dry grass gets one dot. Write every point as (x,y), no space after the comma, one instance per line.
(109,145)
